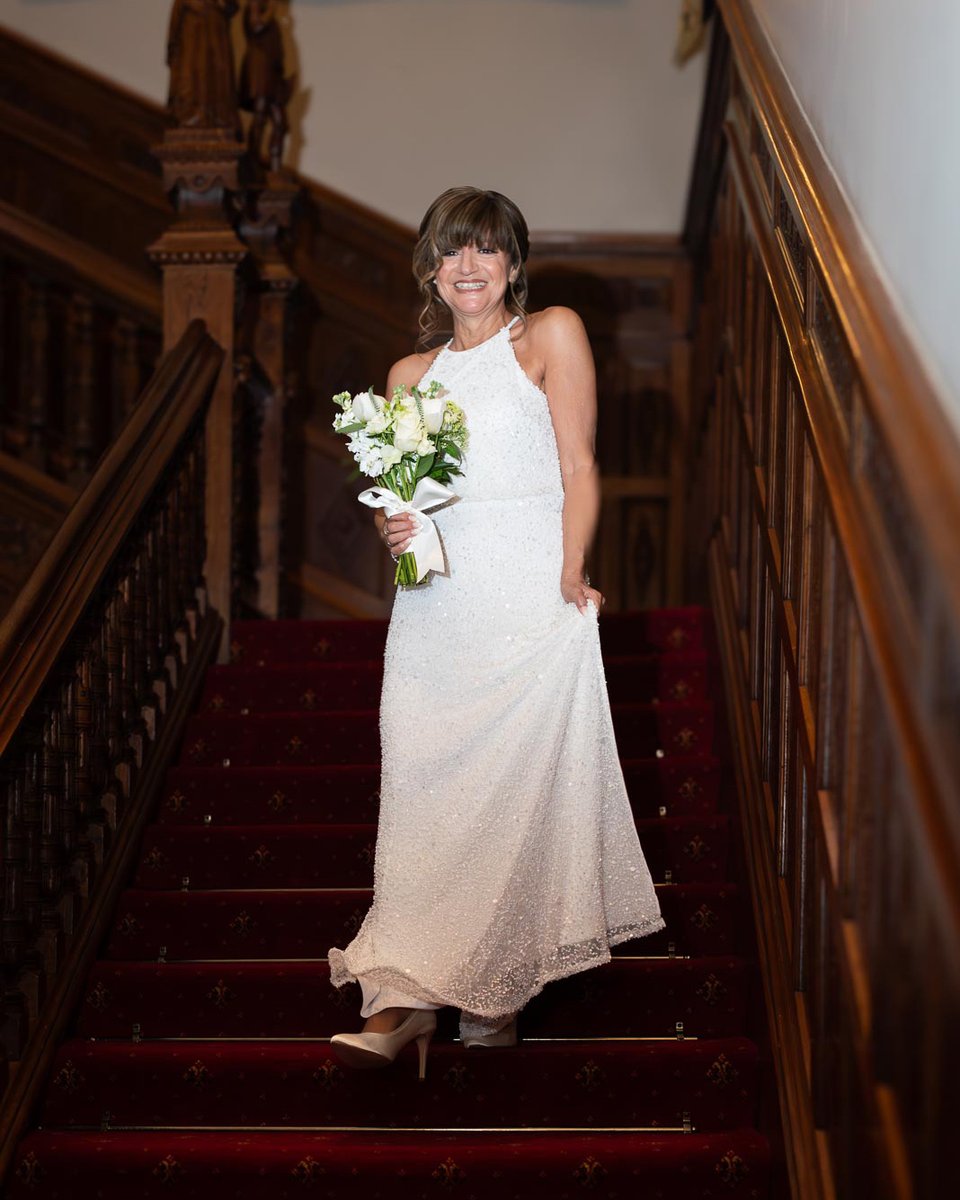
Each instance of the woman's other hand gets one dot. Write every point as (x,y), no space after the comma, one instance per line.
(576,589)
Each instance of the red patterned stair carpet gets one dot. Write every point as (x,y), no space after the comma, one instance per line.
(198,1065)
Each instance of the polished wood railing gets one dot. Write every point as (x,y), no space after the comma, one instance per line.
(100,659)
(827,497)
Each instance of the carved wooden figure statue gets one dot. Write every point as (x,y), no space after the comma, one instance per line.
(200,56)
(263,89)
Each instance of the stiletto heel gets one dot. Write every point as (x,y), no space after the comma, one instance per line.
(507,1036)
(423,1045)
(364,1050)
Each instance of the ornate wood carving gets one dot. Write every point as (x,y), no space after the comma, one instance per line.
(827,484)
(203,91)
(265,89)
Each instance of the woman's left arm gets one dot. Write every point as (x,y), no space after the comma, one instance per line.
(570,383)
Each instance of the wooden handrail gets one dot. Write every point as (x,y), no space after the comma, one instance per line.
(41,620)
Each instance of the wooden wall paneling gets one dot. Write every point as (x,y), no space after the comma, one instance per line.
(837,592)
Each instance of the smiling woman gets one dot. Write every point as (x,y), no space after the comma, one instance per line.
(507,855)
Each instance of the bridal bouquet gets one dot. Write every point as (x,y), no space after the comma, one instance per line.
(411,444)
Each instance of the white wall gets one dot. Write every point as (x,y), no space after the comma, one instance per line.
(572,107)
(880,83)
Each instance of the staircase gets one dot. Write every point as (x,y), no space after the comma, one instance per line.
(198,1063)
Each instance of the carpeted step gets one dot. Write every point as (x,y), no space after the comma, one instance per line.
(257,1165)
(260,643)
(318,738)
(685,785)
(666,629)
(684,849)
(311,686)
(702,918)
(579,1083)
(273,809)
(638,997)
(338,795)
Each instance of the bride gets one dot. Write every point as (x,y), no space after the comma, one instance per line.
(506,853)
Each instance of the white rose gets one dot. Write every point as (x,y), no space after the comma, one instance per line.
(409,431)
(433,413)
(391,456)
(365,406)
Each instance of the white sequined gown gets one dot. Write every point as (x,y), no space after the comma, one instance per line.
(506,854)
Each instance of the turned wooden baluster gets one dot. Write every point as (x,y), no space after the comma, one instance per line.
(51,840)
(83,785)
(101,781)
(137,663)
(81,395)
(77,851)
(14,1017)
(34,376)
(131,725)
(32,820)
(118,754)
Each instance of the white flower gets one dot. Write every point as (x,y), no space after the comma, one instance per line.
(371,463)
(409,431)
(390,455)
(426,447)
(377,423)
(366,405)
(433,407)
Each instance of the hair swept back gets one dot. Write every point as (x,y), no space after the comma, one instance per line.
(468,216)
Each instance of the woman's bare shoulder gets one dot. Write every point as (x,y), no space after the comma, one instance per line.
(554,322)
(407,372)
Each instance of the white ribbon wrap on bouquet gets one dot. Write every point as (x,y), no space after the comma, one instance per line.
(428,494)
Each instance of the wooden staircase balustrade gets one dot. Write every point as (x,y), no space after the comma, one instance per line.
(80,336)
(827,498)
(100,657)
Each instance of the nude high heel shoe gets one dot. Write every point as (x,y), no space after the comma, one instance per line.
(507,1036)
(364,1050)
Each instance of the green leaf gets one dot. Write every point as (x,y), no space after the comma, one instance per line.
(425,465)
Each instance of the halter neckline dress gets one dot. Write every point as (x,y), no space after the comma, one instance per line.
(507,854)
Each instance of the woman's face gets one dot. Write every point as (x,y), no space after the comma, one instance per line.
(472,280)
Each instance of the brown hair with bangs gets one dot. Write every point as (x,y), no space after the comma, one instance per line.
(468,216)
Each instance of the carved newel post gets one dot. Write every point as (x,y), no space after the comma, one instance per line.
(199,253)
(265,91)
